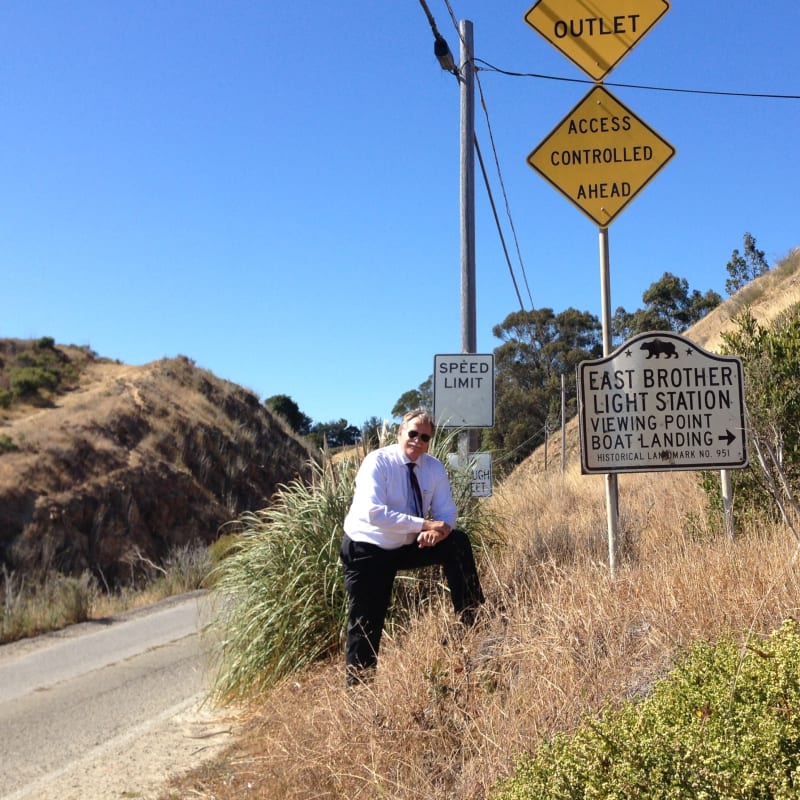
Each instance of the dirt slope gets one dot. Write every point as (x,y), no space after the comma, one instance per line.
(766,297)
(131,461)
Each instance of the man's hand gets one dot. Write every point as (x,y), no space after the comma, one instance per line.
(433,532)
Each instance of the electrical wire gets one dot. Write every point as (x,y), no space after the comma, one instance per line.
(487,66)
(508,455)
(438,38)
(452,15)
(500,179)
(485,108)
(497,221)
(759,95)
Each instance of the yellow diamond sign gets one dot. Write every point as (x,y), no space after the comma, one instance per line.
(601,155)
(595,34)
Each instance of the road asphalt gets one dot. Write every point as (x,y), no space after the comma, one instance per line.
(71,696)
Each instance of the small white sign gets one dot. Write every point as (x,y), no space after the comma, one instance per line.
(463,390)
(480,467)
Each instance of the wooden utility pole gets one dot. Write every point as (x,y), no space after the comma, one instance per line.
(468,442)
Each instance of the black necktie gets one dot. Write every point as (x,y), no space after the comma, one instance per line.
(416,492)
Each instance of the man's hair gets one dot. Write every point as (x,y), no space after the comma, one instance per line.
(421,414)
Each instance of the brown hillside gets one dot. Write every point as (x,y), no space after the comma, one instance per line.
(766,297)
(121,462)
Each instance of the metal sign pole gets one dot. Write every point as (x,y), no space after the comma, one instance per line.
(563,424)
(597,49)
(467,81)
(612,493)
(726,481)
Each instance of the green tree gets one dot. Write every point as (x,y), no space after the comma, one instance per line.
(745,267)
(284,405)
(669,306)
(538,347)
(371,431)
(770,355)
(337,433)
(421,397)
(27,381)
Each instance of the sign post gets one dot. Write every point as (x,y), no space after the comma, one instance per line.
(600,157)
(463,397)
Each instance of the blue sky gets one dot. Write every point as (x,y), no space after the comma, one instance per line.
(272,189)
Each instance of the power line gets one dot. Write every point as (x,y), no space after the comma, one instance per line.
(497,222)
(442,52)
(512,74)
(505,198)
(500,178)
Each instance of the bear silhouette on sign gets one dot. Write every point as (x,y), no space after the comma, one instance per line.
(657,348)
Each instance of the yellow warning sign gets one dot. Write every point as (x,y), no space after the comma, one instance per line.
(601,155)
(595,35)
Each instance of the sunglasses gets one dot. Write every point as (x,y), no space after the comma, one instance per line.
(424,436)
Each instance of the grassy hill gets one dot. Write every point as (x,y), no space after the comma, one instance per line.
(562,639)
(103,465)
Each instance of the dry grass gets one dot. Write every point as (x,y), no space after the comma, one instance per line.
(31,605)
(447,715)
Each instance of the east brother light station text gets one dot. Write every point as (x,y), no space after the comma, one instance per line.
(660,408)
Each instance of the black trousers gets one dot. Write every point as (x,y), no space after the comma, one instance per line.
(369,573)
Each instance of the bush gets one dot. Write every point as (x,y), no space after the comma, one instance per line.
(770,355)
(7,444)
(724,723)
(27,381)
(54,601)
(282,602)
(187,568)
(221,547)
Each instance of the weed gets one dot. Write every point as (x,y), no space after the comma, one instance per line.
(7,444)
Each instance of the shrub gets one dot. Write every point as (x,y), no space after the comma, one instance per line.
(724,723)
(7,444)
(222,547)
(187,568)
(184,569)
(52,602)
(27,381)
(282,604)
(770,355)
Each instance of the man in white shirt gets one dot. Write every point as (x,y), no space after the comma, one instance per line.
(394,525)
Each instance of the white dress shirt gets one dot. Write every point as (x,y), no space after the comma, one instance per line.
(381,509)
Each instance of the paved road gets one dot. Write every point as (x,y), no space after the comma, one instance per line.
(66,695)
